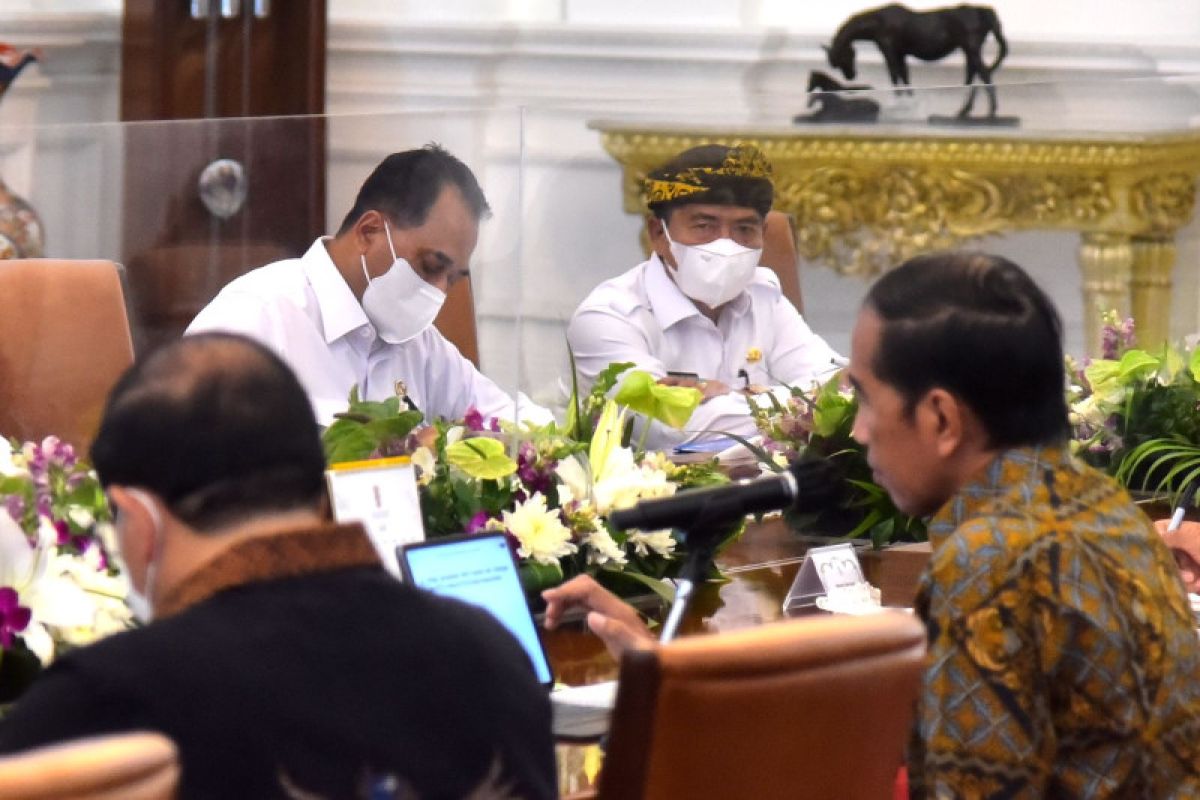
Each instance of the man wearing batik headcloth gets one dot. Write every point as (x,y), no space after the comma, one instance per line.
(700,311)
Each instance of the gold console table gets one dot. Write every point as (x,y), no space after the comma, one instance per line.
(866,198)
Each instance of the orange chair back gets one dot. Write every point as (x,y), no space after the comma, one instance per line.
(64,341)
(781,257)
(816,707)
(456,321)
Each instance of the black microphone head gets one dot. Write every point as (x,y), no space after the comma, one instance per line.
(819,483)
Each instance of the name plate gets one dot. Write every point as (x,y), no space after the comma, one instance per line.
(832,571)
(382,495)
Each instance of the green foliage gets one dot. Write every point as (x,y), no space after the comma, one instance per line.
(819,423)
(670,405)
(481,457)
(1163,466)
(368,429)
(582,411)
(1136,414)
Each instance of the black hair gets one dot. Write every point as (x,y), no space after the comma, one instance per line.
(218,427)
(978,326)
(722,190)
(406,185)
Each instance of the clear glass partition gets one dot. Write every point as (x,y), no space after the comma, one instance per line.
(1089,185)
(188,206)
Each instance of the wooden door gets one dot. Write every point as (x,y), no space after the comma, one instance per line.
(211,80)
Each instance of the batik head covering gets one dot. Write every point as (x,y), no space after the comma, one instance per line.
(712,173)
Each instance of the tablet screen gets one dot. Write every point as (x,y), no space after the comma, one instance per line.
(479,570)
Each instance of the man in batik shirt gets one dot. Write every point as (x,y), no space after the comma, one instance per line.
(1063,659)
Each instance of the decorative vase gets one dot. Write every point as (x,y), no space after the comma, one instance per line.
(20,227)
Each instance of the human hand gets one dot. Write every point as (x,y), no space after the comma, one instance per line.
(609,617)
(1185,544)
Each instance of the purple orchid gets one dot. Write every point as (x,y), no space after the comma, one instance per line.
(536,477)
(1116,339)
(14,617)
(473,419)
(478,522)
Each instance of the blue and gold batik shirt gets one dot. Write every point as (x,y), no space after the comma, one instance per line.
(1063,657)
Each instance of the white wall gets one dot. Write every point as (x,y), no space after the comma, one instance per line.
(566,62)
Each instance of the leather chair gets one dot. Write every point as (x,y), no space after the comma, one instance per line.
(817,707)
(781,257)
(127,766)
(64,341)
(456,320)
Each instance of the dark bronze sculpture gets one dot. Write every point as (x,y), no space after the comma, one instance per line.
(833,107)
(928,35)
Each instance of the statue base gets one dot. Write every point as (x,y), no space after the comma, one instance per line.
(974,122)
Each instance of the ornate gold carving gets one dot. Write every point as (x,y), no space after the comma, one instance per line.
(1164,201)
(864,202)
(863,221)
(864,199)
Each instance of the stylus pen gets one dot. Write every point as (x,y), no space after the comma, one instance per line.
(1185,500)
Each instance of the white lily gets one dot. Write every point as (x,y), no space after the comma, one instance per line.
(426,464)
(21,566)
(660,542)
(576,485)
(66,594)
(602,549)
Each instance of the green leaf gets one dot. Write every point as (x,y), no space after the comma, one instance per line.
(670,405)
(660,587)
(481,458)
(575,417)
(832,410)
(536,576)
(881,533)
(1102,374)
(608,377)
(13,484)
(347,440)
(385,429)
(1137,365)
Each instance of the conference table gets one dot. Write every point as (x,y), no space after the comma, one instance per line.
(760,568)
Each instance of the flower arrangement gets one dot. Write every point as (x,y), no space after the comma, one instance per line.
(1135,413)
(58,587)
(549,489)
(818,422)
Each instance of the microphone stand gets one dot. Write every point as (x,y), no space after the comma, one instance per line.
(701,542)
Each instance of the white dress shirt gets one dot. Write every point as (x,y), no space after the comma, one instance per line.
(643,317)
(303,309)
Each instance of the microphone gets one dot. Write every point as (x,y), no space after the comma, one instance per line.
(806,485)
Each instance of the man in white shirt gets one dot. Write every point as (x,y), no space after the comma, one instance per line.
(700,311)
(358,307)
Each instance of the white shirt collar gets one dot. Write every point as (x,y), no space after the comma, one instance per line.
(341,312)
(669,304)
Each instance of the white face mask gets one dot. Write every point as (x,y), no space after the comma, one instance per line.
(713,273)
(399,303)
(139,602)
